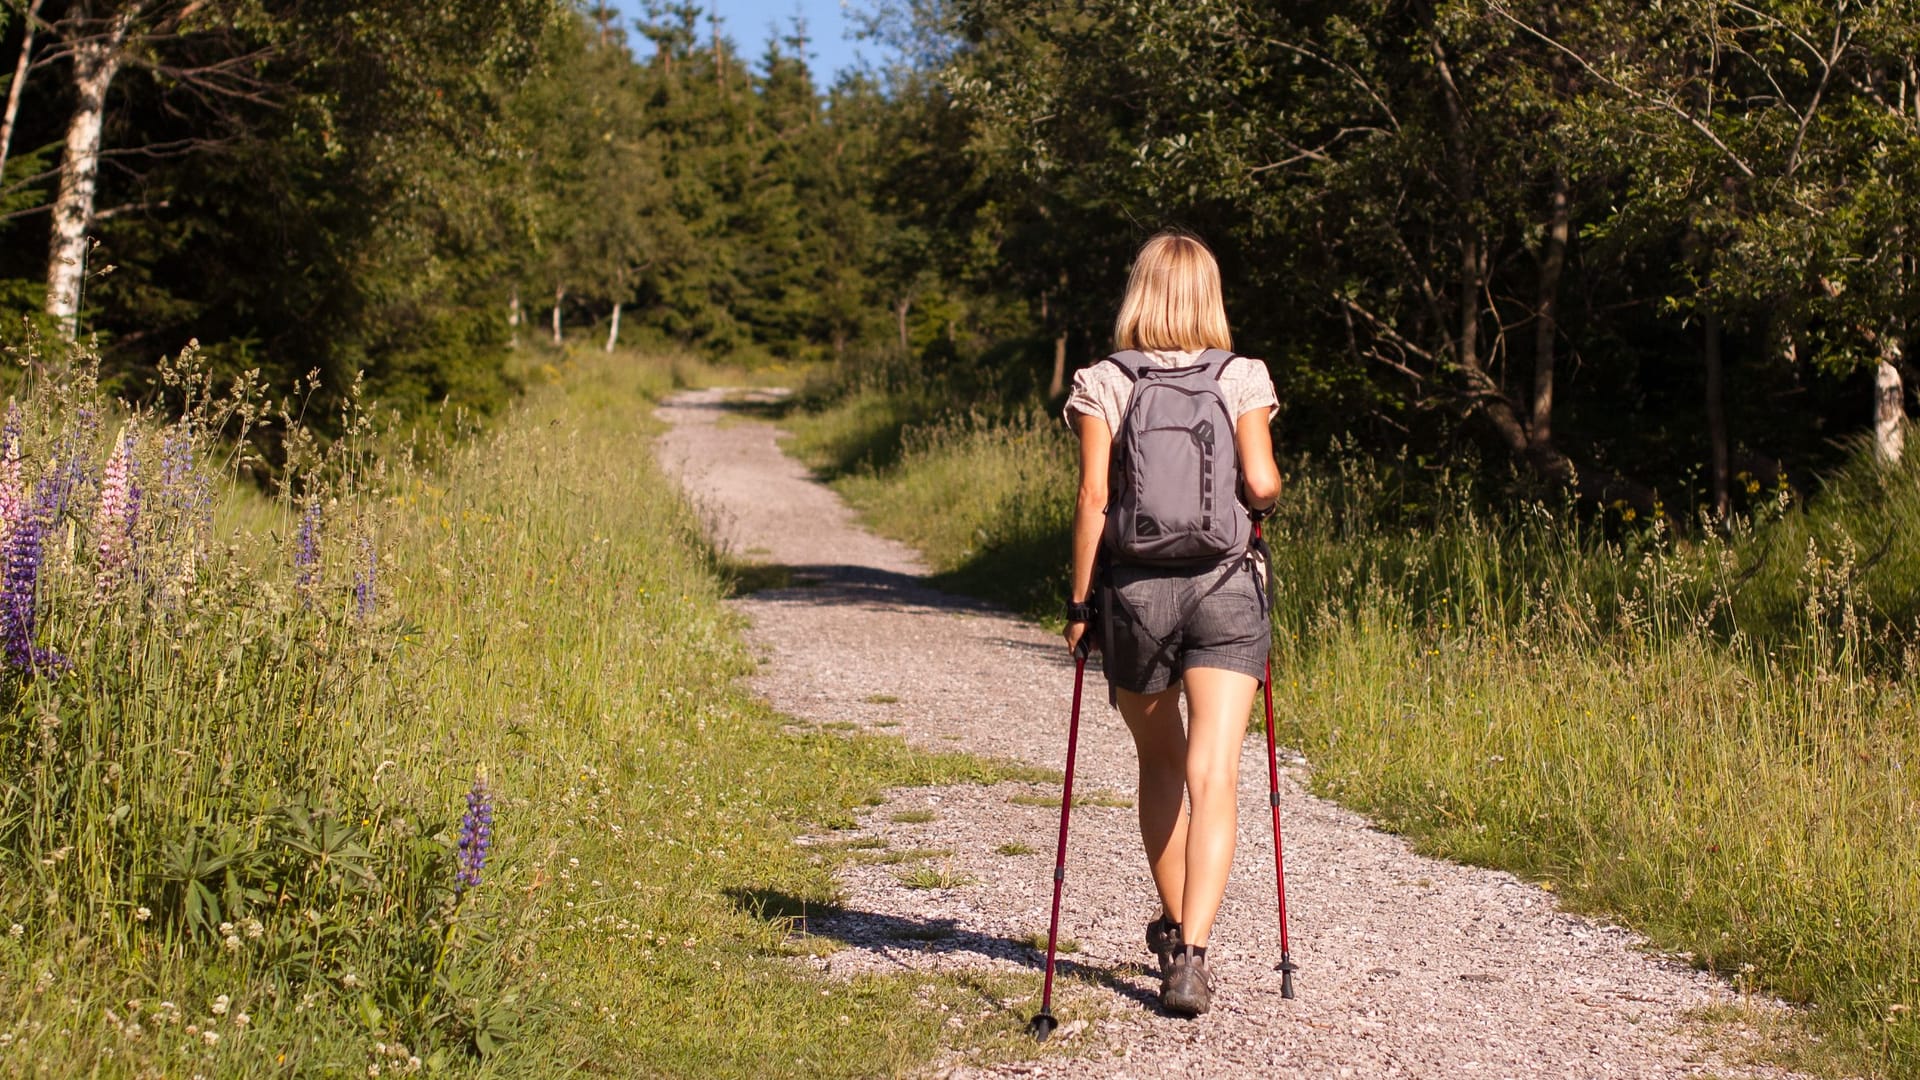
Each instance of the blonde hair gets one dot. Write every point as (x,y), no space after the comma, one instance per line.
(1173,298)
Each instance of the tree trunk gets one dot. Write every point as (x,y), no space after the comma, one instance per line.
(559,297)
(1546,329)
(94,65)
(1889,405)
(900,309)
(613,332)
(1717,417)
(1048,317)
(18,85)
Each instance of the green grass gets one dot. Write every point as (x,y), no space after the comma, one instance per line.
(925,876)
(549,615)
(1715,737)
(915,817)
(1015,848)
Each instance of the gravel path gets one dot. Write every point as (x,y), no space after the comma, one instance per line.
(1409,966)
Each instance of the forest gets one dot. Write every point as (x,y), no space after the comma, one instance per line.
(335,331)
(1655,254)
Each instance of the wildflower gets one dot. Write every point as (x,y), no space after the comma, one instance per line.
(241,1020)
(114,518)
(255,928)
(221,1004)
(350,980)
(476,836)
(176,465)
(211,1036)
(306,552)
(16,931)
(19,600)
(231,943)
(143,913)
(366,579)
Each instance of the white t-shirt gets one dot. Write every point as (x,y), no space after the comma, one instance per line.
(1103,390)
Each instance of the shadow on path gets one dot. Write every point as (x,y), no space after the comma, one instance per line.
(881,934)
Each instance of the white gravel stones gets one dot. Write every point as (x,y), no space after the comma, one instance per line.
(1409,966)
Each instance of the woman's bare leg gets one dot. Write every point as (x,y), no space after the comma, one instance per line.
(1218,704)
(1154,720)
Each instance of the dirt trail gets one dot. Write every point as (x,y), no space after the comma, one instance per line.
(1409,966)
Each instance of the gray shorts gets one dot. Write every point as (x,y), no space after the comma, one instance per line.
(1158,623)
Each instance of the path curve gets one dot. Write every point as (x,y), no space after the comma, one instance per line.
(1410,966)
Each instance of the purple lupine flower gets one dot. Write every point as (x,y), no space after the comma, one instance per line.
(366,580)
(113,519)
(176,462)
(70,474)
(476,837)
(19,600)
(306,550)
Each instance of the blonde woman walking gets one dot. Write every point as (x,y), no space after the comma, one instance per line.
(1174,452)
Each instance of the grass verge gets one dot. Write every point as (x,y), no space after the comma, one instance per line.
(547,615)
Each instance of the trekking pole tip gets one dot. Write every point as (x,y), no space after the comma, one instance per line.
(1042,1025)
(1286,968)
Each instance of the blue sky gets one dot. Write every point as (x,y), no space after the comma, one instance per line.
(747,22)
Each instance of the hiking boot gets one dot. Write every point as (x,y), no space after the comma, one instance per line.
(1188,990)
(1163,940)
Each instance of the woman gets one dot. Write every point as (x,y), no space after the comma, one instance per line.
(1200,629)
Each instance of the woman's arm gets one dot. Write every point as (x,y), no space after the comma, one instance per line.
(1089,510)
(1259,475)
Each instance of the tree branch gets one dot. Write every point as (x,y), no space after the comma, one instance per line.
(1661,103)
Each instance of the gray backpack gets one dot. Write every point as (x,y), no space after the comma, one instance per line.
(1175,483)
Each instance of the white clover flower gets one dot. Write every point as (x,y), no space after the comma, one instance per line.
(413,1064)
(231,944)
(16,931)
(211,1036)
(373,1070)
(241,1020)
(220,1005)
(255,928)
(143,913)
(226,929)
(350,980)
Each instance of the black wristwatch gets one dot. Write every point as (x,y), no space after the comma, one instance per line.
(1081,612)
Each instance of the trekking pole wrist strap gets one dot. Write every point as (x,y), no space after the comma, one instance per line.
(1080,611)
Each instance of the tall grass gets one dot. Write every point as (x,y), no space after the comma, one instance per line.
(1712,737)
(231,796)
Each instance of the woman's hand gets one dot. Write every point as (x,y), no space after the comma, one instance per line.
(1075,632)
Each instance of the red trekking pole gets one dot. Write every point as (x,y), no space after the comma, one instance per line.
(1043,1023)
(1286,968)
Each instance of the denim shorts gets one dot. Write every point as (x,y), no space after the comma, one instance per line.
(1156,624)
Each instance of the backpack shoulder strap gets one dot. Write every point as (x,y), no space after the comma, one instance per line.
(1130,361)
(1217,359)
